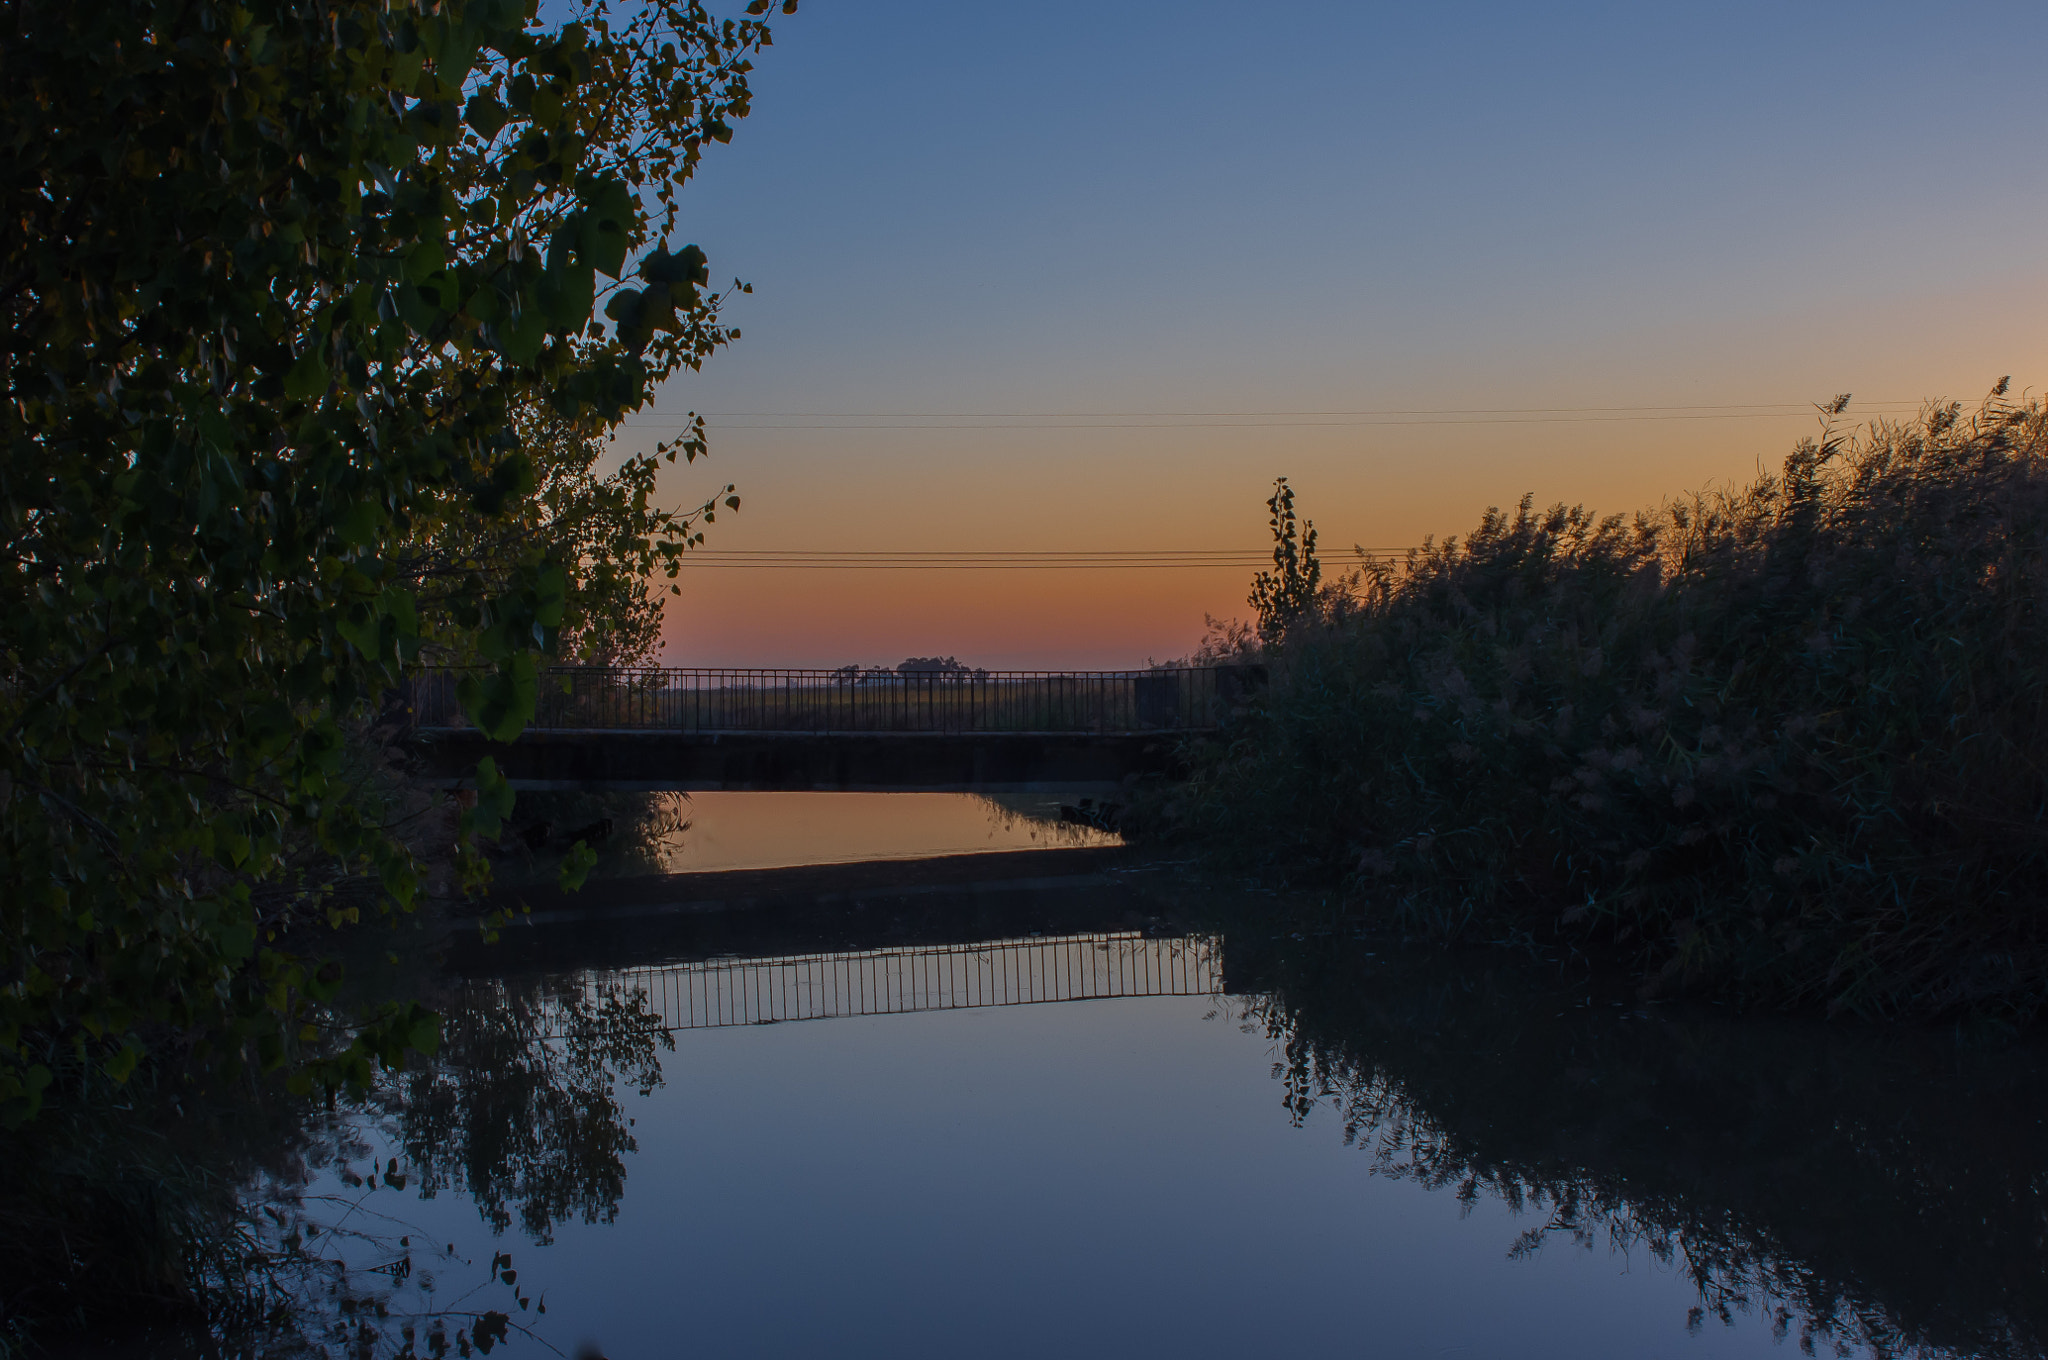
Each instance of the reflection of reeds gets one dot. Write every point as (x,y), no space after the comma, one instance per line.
(1852,1187)
(1789,742)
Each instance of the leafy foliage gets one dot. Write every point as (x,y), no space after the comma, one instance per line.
(1287,594)
(606,530)
(295,294)
(1783,742)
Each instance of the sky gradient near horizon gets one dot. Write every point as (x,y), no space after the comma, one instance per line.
(1077,277)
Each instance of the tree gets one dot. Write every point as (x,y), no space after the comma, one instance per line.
(291,288)
(606,531)
(1290,591)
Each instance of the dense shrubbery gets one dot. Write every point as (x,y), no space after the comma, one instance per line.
(1785,743)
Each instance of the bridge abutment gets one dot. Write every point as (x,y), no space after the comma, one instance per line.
(931,762)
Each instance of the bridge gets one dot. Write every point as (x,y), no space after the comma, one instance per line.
(851,729)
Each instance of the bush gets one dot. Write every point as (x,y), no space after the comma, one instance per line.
(1784,743)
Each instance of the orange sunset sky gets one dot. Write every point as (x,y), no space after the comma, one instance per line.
(1078,281)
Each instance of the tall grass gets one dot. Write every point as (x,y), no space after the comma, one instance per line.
(1787,743)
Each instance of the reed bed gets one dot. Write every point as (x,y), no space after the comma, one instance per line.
(1785,744)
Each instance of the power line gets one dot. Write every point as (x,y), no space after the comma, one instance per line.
(1034,553)
(1397,416)
(697,562)
(766,559)
(1382,411)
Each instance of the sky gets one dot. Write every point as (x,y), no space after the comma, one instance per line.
(1066,277)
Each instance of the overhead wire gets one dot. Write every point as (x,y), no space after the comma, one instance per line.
(1116,420)
(771,559)
(762,559)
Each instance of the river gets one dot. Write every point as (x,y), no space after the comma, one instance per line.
(1082,1104)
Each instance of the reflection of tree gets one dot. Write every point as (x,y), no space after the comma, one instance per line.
(1855,1187)
(1038,817)
(634,832)
(520,1108)
(234,1218)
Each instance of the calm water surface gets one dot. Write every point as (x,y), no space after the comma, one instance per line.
(778,830)
(1084,1131)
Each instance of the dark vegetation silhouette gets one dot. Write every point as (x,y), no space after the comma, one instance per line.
(1290,593)
(1787,744)
(318,316)
(926,668)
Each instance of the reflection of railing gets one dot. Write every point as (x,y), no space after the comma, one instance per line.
(724,992)
(585,698)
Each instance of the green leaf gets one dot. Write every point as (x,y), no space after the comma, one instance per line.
(306,380)
(427,258)
(122,1064)
(502,703)
(576,867)
(494,801)
(359,524)
(551,596)
(21,1097)
(524,339)
(237,941)
(624,307)
(687,267)
(358,626)
(568,293)
(397,605)
(605,228)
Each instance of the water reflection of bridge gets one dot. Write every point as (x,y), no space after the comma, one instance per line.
(720,992)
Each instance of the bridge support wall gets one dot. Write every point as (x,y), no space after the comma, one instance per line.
(841,762)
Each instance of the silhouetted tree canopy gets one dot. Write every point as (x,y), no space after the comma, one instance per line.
(305,303)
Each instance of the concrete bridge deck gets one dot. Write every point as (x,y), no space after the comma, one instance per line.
(844,730)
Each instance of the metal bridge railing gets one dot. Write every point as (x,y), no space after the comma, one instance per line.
(1018,972)
(678,699)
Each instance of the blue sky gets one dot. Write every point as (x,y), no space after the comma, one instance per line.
(1187,208)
